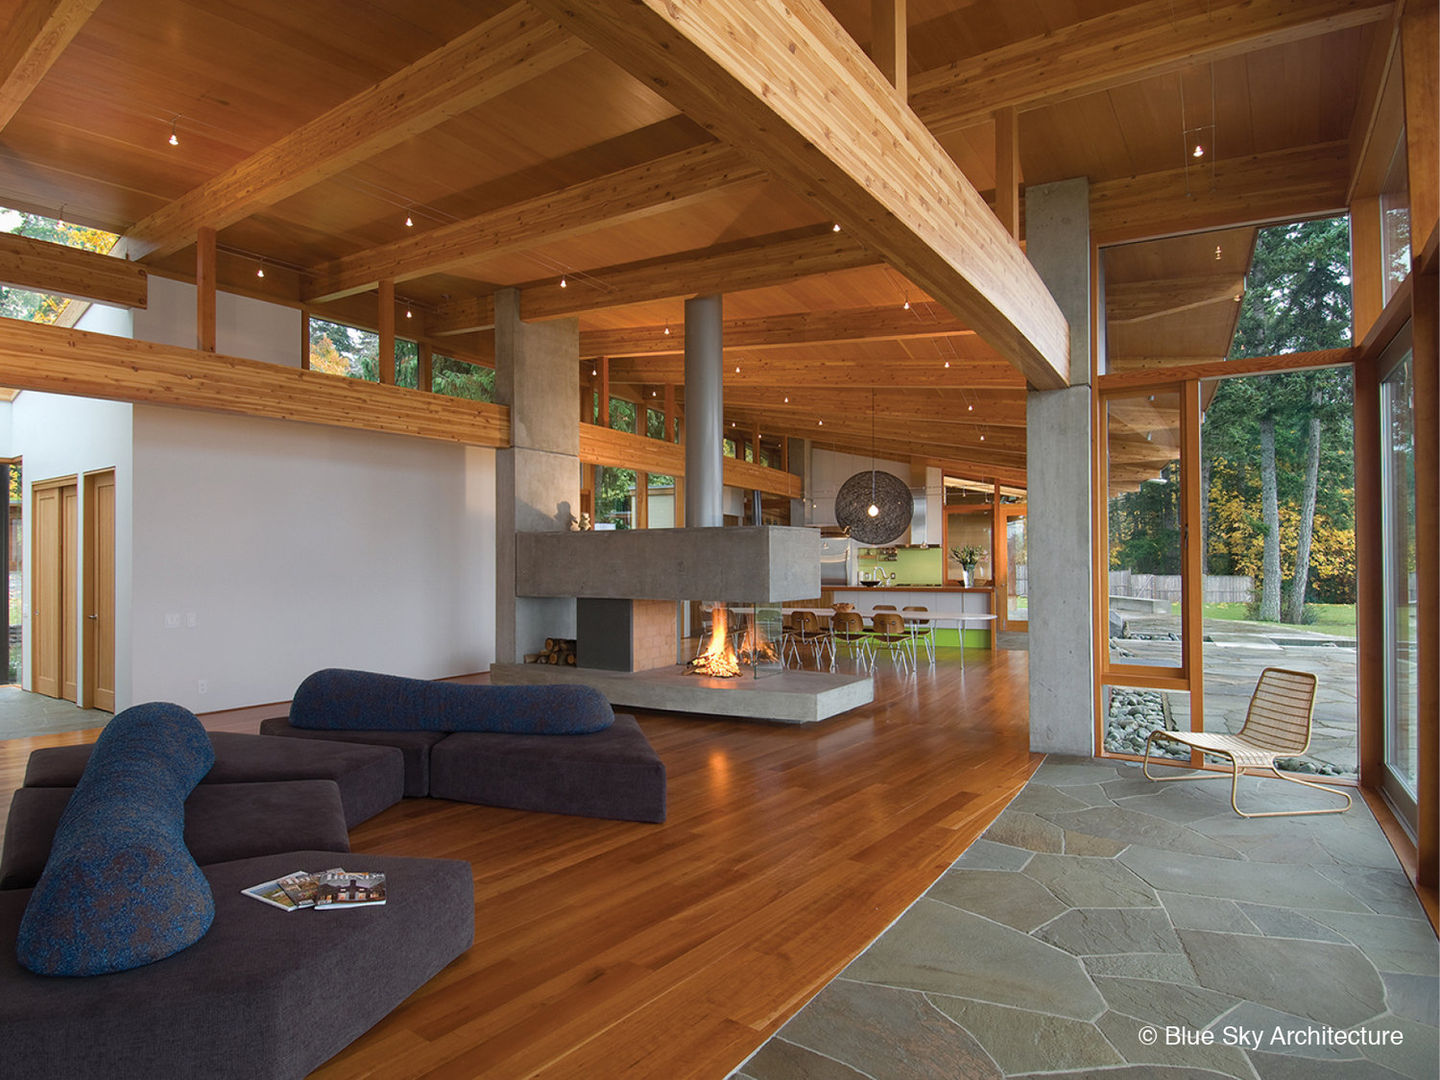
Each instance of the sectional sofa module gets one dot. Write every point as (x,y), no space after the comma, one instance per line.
(260,992)
(558,749)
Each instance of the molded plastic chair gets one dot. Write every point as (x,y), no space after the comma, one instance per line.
(888,629)
(1276,725)
(848,628)
(805,629)
(922,630)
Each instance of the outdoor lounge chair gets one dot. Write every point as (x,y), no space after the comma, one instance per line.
(1277,724)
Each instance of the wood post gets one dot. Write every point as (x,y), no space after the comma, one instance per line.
(1007,169)
(385,321)
(425,377)
(672,420)
(1420,51)
(604,418)
(304,341)
(889,43)
(1367,270)
(205,289)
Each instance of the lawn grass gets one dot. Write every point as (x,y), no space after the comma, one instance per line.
(1337,619)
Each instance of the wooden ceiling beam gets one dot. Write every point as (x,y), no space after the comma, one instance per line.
(1302,181)
(889,323)
(776,259)
(773,369)
(628,195)
(38,33)
(923,407)
(1137,301)
(500,54)
(782,81)
(73,362)
(38,265)
(1121,47)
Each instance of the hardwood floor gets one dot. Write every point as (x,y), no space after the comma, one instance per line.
(609,949)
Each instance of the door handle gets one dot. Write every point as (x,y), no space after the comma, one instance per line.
(92,616)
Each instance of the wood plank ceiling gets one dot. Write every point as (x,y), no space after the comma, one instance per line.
(308,134)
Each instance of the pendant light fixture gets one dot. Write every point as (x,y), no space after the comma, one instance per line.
(872,510)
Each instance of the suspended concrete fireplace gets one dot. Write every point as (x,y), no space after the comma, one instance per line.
(628,585)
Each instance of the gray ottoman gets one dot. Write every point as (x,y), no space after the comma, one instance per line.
(370,778)
(608,774)
(266,993)
(415,745)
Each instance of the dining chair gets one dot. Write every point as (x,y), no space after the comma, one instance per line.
(922,630)
(805,629)
(888,629)
(848,628)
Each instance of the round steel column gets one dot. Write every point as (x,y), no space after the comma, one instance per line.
(704,413)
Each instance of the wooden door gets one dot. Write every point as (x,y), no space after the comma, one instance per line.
(53,558)
(100,590)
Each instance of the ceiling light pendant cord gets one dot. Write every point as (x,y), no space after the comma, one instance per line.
(873,509)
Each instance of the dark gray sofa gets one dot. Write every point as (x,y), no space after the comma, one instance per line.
(264,992)
(559,750)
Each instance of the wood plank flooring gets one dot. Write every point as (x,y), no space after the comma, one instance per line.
(610,949)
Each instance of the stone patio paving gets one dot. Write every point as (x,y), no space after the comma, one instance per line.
(1108,928)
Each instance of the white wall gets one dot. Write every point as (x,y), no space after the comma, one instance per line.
(296,547)
(243,327)
(63,436)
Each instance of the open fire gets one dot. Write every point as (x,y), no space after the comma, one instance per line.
(719,659)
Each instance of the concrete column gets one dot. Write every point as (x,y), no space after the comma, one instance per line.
(537,478)
(704,413)
(1061,544)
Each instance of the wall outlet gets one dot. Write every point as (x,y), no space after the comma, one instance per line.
(204,686)
(191,620)
(172,620)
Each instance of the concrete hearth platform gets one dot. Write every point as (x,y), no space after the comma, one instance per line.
(792,697)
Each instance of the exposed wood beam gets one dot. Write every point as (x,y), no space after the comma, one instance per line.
(1285,184)
(889,43)
(1257,365)
(38,33)
(205,289)
(784,83)
(27,263)
(498,55)
(1420,45)
(665,183)
(1371,133)
(892,407)
(1122,47)
(1137,301)
(776,259)
(889,323)
(34,357)
(621,449)
(773,369)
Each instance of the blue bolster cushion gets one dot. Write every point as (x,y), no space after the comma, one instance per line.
(120,889)
(338,699)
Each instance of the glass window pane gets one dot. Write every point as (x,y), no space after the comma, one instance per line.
(1017,589)
(1278,535)
(614,497)
(1402,705)
(456,378)
(1142,445)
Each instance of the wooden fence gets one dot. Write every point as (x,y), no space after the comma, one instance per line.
(1218,589)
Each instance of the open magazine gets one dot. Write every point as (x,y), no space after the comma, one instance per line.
(326,890)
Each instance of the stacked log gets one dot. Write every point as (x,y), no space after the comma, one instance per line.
(557,651)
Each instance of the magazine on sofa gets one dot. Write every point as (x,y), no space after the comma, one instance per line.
(325,890)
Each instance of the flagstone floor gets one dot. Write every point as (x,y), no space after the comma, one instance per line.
(1109,928)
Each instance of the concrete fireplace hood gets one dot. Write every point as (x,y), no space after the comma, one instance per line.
(758,564)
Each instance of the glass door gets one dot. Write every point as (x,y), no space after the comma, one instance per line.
(1017,581)
(1397,521)
(11,549)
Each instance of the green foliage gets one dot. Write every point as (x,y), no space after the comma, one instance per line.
(1297,294)
(614,497)
(455,378)
(337,349)
(622,415)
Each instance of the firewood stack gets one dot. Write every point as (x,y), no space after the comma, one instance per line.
(557,651)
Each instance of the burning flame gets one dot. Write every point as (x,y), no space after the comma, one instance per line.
(718,660)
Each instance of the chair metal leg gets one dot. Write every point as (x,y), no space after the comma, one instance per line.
(1235,771)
